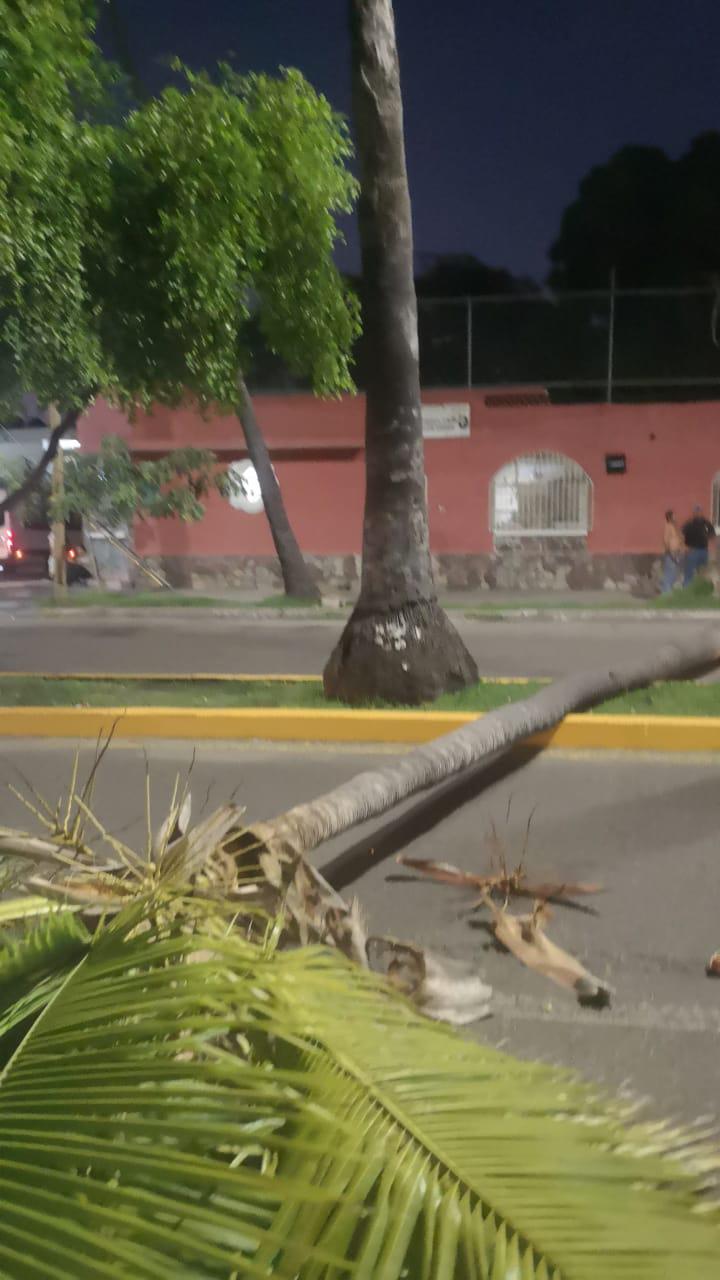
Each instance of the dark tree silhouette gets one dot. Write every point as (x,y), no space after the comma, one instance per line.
(619,220)
(454,275)
(652,219)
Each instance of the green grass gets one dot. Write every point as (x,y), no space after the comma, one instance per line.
(680,698)
(676,698)
(548,604)
(699,595)
(83,599)
(286,602)
(36,692)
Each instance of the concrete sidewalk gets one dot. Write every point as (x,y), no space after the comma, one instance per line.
(26,596)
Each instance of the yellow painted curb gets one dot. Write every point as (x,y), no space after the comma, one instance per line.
(168,677)
(278,724)
(131,677)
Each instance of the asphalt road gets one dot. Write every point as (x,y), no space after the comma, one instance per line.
(647,828)
(198,641)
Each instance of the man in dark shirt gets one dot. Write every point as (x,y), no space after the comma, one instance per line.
(697,533)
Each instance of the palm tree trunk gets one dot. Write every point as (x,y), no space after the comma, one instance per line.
(398,644)
(376,791)
(297,579)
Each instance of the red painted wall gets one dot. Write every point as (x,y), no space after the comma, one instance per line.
(672,450)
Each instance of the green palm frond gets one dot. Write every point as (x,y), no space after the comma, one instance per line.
(206,1107)
(453,1160)
(33,965)
(136,1131)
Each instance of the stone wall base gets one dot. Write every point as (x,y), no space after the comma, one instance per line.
(539,568)
(338,574)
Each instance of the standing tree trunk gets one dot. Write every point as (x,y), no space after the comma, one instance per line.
(57,527)
(398,644)
(297,579)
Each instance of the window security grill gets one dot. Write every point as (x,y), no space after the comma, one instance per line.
(541,495)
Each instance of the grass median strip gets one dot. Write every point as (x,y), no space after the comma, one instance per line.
(85,599)
(698,596)
(681,698)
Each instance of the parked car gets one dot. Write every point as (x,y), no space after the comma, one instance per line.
(25,541)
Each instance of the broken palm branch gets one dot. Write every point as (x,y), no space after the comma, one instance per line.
(376,791)
(212,864)
(209,872)
(505,883)
(525,937)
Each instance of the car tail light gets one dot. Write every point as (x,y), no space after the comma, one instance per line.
(72,553)
(18,553)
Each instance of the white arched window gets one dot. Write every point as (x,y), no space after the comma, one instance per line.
(540,495)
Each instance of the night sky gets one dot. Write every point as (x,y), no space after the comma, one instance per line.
(507,102)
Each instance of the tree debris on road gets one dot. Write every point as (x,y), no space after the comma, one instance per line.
(505,883)
(525,937)
(443,989)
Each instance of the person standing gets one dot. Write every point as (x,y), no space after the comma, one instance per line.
(673,549)
(697,533)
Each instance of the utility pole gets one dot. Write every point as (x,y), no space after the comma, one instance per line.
(469,339)
(611,340)
(57,528)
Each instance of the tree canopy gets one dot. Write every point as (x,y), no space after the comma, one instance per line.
(141,253)
(451,275)
(133,255)
(48,65)
(220,206)
(112,487)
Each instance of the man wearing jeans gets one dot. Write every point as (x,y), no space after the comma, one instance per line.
(697,533)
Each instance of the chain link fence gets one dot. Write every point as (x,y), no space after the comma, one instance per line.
(617,345)
(614,345)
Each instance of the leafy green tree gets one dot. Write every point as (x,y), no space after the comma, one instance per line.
(220,213)
(140,252)
(398,644)
(48,341)
(111,488)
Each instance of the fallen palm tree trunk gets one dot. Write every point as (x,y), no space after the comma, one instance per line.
(376,791)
